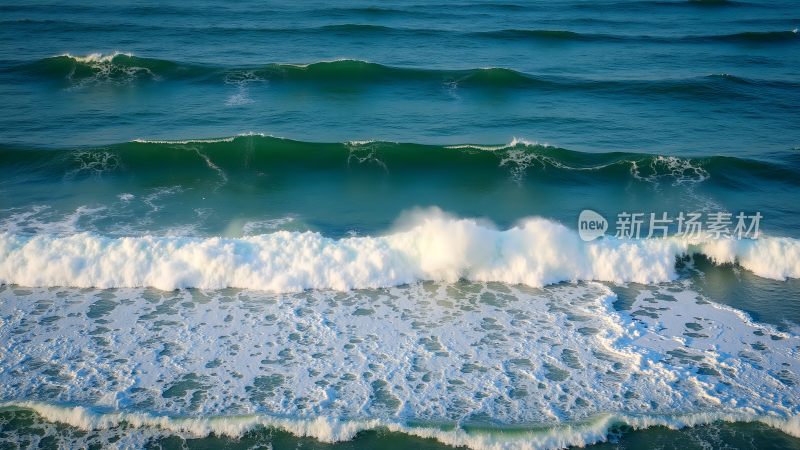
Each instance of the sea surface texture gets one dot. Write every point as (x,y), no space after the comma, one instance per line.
(351,225)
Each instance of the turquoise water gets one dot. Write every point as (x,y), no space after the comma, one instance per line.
(356,226)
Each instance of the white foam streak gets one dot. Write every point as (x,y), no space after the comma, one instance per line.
(514,143)
(97,57)
(187,141)
(199,141)
(434,246)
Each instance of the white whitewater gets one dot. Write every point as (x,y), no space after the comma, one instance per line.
(428,245)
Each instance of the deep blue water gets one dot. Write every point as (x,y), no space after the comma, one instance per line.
(658,77)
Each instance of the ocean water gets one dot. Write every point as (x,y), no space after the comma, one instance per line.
(354,225)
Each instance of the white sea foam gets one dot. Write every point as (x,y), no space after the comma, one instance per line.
(242,81)
(96,57)
(365,152)
(94,163)
(770,257)
(324,61)
(429,246)
(45,220)
(679,170)
(518,158)
(514,143)
(200,141)
(186,141)
(653,169)
(559,364)
(240,98)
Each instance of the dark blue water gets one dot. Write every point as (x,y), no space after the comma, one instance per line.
(356,223)
(678,77)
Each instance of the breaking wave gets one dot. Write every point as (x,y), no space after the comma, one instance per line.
(594,430)
(428,245)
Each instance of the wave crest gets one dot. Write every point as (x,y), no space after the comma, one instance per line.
(431,246)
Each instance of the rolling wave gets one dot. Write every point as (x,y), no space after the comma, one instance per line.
(124,68)
(587,432)
(251,154)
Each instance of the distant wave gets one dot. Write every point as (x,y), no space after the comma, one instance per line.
(555,35)
(124,68)
(649,5)
(752,37)
(587,432)
(429,245)
(372,11)
(357,29)
(759,36)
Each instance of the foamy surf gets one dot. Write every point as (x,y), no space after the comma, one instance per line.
(480,365)
(429,246)
(95,57)
(515,141)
